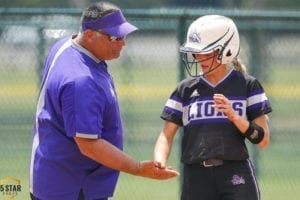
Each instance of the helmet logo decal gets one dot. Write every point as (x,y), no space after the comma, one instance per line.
(194,37)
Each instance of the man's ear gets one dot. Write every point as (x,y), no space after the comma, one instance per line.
(88,33)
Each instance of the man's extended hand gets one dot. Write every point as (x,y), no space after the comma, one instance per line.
(153,169)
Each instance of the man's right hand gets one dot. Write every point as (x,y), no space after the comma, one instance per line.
(153,169)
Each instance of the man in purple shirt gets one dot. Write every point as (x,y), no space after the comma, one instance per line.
(78,136)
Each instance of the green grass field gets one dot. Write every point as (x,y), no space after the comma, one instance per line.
(142,93)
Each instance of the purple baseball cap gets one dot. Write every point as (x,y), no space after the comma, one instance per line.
(114,24)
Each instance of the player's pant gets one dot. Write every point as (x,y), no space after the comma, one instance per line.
(230,181)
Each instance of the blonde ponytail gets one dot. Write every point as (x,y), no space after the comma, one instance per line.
(238,66)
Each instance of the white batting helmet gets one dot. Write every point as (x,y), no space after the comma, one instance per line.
(210,33)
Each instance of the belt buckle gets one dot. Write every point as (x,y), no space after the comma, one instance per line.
(207,165)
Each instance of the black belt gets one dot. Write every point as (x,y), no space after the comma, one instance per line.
(217,162)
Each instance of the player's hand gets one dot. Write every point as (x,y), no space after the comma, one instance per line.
(162,166)
(154,170)
(222,104)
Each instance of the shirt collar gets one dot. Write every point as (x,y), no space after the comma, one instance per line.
(83,50)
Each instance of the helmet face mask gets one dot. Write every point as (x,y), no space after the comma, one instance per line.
(210,33)
(193,65)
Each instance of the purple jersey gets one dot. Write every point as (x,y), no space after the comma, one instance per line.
(77,98)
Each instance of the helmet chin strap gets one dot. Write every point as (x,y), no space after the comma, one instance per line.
(211,67)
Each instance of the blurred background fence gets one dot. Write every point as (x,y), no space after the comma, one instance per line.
(145,75)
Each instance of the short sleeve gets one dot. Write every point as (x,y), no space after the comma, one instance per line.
(82,108)
(257,100)
(173,109)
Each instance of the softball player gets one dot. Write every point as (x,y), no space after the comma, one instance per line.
(219,107)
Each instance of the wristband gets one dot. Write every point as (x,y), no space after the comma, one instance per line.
(254,133)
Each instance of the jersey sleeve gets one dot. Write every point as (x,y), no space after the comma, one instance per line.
(173,109)
(82,108)
(257,100)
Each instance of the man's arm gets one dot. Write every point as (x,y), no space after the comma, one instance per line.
(105,153)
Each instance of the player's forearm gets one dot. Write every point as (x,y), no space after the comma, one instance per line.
(162,149)
(164,142)
(105,153)
(263,122)
(243,125)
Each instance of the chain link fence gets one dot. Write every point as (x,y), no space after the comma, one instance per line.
(145,75)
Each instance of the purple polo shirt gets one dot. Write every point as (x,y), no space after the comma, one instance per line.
(77,98)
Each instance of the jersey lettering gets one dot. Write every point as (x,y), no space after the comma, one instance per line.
(202,110)
(238,107)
